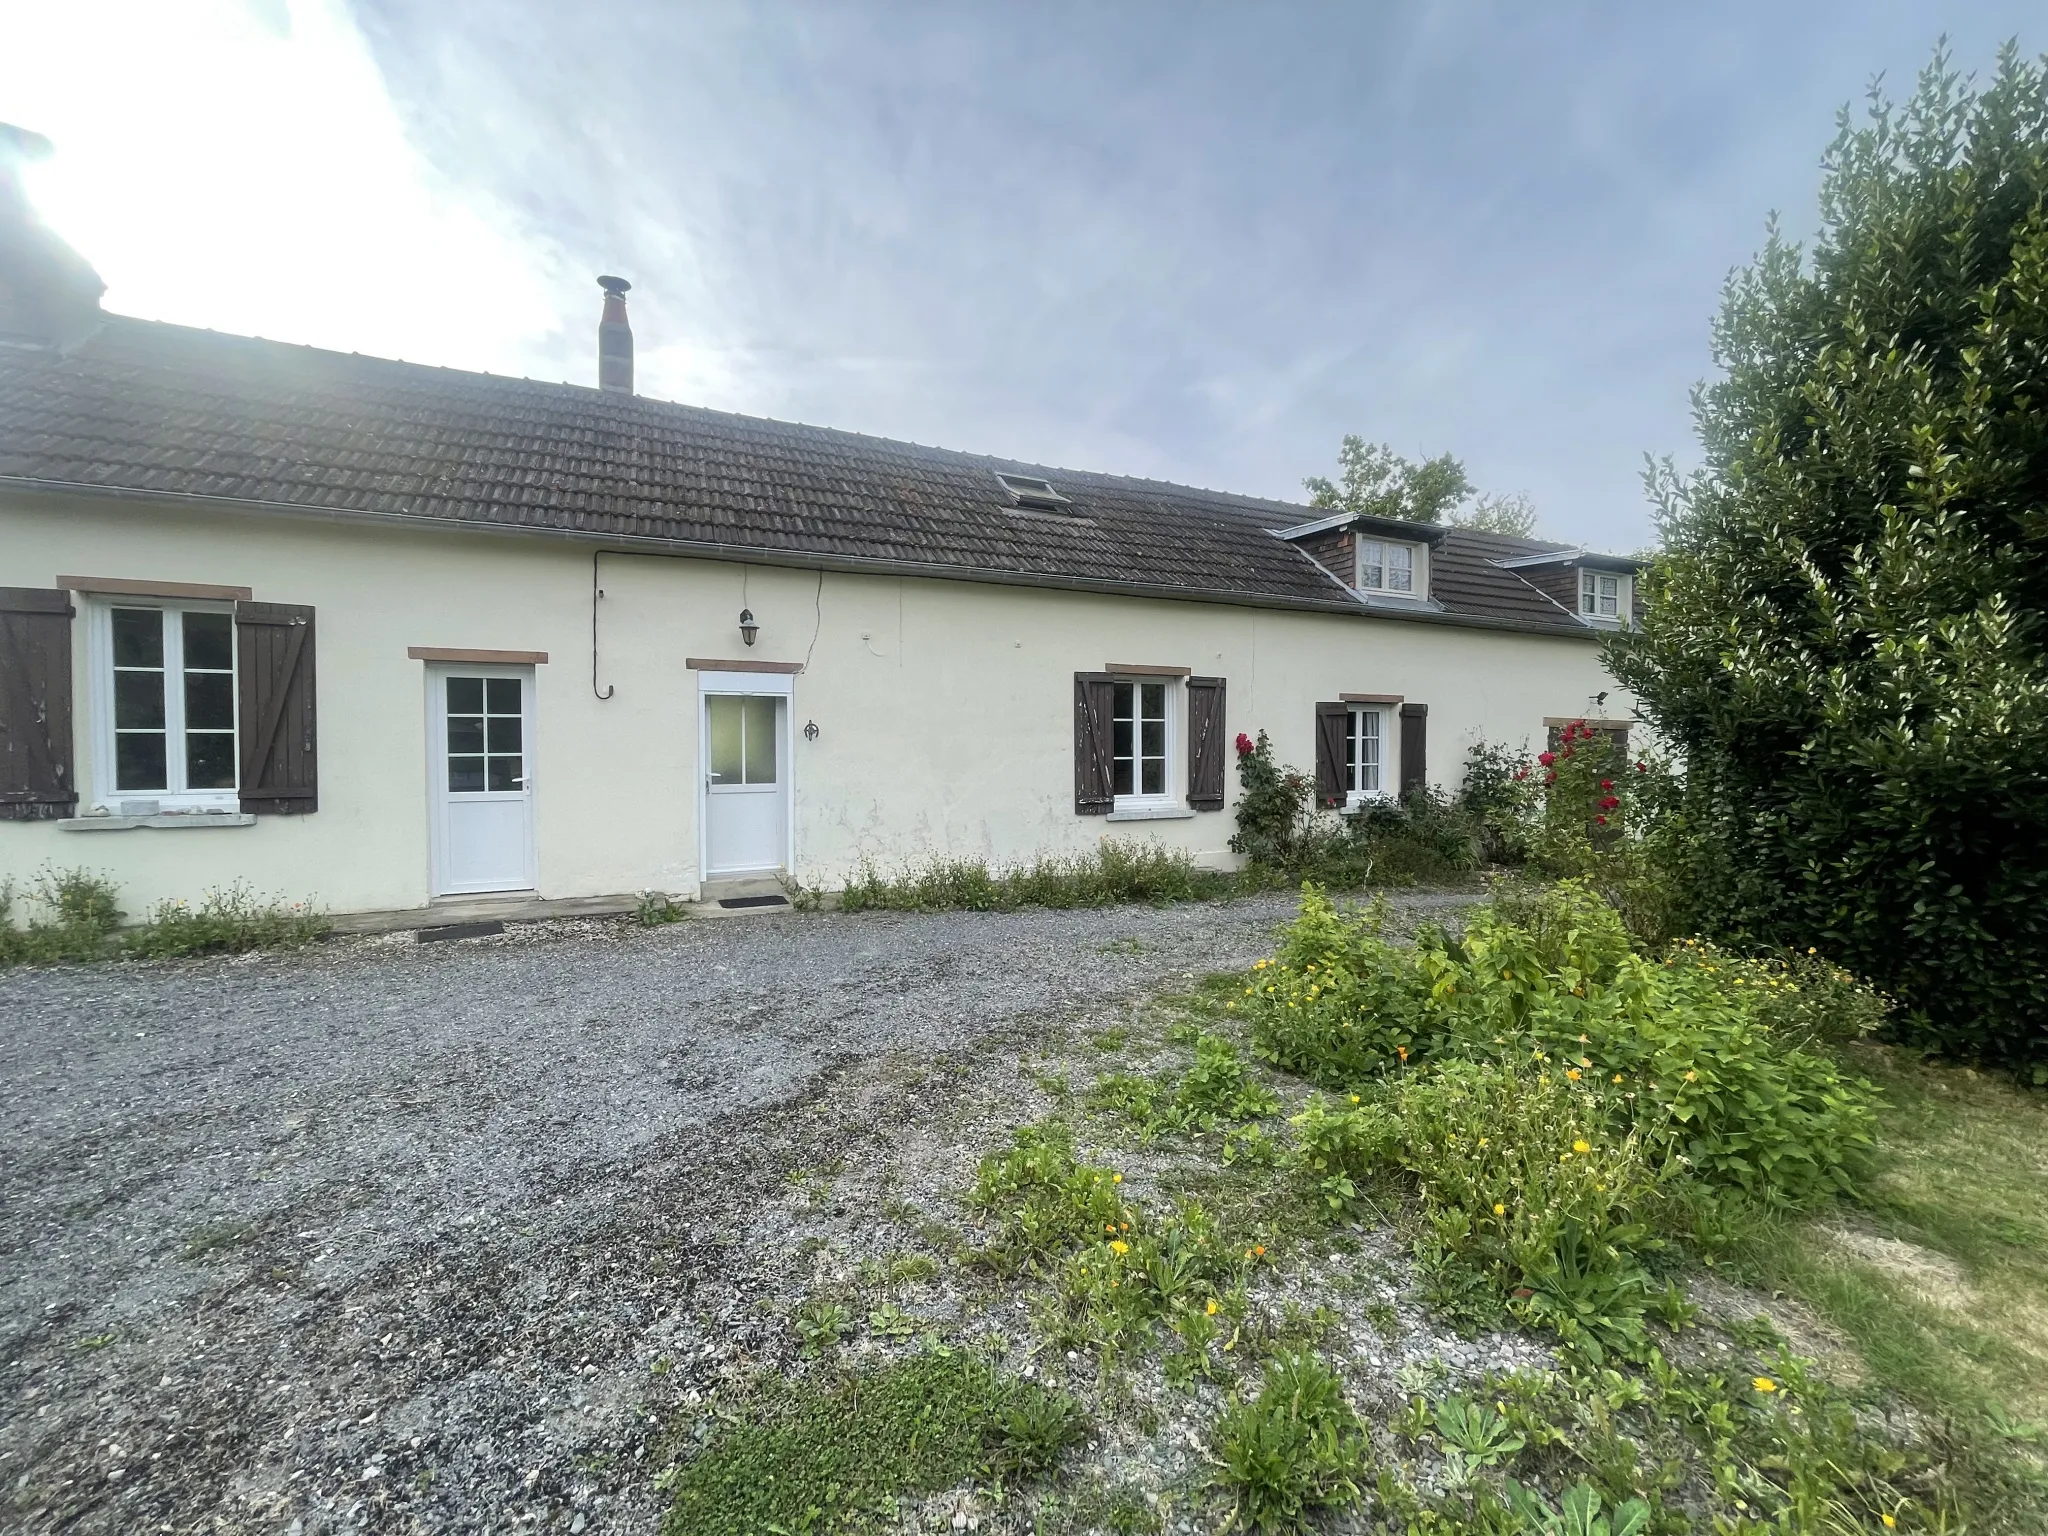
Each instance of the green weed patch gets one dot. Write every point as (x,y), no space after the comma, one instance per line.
(1115,873)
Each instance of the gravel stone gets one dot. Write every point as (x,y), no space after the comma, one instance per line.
(390,1237)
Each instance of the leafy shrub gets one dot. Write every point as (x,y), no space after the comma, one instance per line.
(1116,872)
(1560,1104)
(1803,999)
(1423,835)
(1606,817)
(1494,794)
(1842,637)
(1525,1183)
(1295,1448)
(1275,806)
(225,921)
(828,1460)
(83,913)
(1551,980)
(1338,1001)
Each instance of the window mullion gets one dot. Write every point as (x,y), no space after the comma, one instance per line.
(174,702)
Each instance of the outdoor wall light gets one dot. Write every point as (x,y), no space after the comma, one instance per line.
(748,628)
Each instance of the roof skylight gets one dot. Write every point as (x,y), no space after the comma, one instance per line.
(1030,491)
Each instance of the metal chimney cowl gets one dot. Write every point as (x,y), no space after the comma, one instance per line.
(614,339)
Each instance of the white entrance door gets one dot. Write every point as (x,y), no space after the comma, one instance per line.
(481,755)
(745,731)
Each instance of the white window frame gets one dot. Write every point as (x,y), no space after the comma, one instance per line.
(1355,794)
(1172,694)
(100,654)
(1418,566)
(1590,594)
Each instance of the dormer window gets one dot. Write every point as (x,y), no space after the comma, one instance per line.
(1604,596)
(1390,569)
(1030,491)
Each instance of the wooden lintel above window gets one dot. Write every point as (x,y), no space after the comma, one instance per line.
(478,658)
(127,586)
(710,664)
(1136,669)
(1370,698)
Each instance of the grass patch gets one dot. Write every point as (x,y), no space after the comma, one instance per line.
(1939,1272)
(842,1458)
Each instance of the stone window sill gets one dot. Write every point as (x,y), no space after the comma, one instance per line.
(179,820)
(1152,813)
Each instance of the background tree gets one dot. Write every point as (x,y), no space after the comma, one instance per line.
(1844,635)
(1508,512)
(1381,483)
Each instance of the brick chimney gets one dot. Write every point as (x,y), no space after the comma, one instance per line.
(614,339)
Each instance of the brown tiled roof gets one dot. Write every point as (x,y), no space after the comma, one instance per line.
(164,410)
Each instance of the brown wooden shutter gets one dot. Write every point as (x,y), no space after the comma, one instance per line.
(280,765)
(1414,746)
(37,778)
(1333,729)
(1094,744)
(1205,743)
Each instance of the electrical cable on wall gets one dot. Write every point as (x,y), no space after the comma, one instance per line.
(596,592)
(817,617)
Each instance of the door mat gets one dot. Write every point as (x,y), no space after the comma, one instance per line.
(754,901)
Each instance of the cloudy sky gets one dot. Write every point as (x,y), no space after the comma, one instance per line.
(1192,240)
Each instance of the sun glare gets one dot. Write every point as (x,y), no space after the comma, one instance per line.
(242,166)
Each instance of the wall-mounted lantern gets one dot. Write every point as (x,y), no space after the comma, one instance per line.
(748,628)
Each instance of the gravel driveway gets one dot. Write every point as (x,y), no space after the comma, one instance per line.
(384,1236)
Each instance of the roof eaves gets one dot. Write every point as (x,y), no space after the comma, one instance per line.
(1395,527)
(653,544)
(1578,555)
(1341,602)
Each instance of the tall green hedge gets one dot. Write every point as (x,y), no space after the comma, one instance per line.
(1844,636)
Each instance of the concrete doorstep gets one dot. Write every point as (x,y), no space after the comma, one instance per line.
(754,895)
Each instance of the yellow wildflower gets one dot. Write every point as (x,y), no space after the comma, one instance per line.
(1582,1146)
(1572,1073)
(1119,1246)
(1499,1209)
(1764,1384)
(1211,1308)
